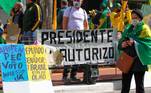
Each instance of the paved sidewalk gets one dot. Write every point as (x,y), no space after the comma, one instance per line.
(106,74)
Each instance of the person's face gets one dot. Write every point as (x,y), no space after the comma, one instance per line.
(77,3)
(16,7)
(29,1)
(135,19)
(135,16)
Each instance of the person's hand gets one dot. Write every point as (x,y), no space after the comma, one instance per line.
(130,42)
(124,44)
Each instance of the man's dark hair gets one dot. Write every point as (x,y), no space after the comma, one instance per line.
(64,2)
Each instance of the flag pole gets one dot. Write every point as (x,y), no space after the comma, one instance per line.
(55,15)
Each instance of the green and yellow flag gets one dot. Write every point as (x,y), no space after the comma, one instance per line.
(7,5)
(142,37)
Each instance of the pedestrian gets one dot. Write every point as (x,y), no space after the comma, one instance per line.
(31,21)
(64,5)
(104,19)
(17,17)
(74,18)
(131,38)
(120,14)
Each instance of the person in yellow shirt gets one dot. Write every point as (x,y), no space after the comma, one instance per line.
(120,16)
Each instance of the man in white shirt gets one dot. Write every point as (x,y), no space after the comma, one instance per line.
(74,18)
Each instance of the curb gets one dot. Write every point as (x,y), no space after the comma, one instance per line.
(101,87)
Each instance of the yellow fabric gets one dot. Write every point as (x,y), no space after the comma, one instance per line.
(38,9)
(128,16)
(101,21)
(114,20)
(146,32)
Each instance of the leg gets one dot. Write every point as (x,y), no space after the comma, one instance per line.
(74,70)
(126,82)
(86,72)
(90,73)
(65,72)
(139,80)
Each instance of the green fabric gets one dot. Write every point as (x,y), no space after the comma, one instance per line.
(142,45)
(105,17)
(7,5)
(91,25)
(2,41)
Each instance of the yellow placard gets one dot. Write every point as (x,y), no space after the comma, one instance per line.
(37,63)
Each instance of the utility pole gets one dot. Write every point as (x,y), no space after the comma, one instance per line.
(50,13)
(47,7)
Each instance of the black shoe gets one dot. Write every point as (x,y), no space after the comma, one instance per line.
(74,79)
(89,82)
(66,80)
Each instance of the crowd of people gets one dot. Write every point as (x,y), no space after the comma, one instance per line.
(71,16)
(119,17)
(27,21)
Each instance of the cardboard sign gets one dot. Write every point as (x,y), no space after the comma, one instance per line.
(37,63)
(13,32)
(24,69)
(13,63)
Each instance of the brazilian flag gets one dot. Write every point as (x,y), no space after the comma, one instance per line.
(7,5)
(142,37)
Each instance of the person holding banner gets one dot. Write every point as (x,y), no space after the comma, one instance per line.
(31,21)
(74,18)
(135,39)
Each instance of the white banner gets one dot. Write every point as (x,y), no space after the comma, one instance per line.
(80,47)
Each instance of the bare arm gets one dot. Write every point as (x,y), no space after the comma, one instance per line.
(86,25)
(65,22)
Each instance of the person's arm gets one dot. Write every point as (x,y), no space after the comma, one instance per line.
(37,16)
(86,25)
(65,22)
(101,22)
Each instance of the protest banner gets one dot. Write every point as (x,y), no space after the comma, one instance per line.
(24,69)
(80,47)
(37,63)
